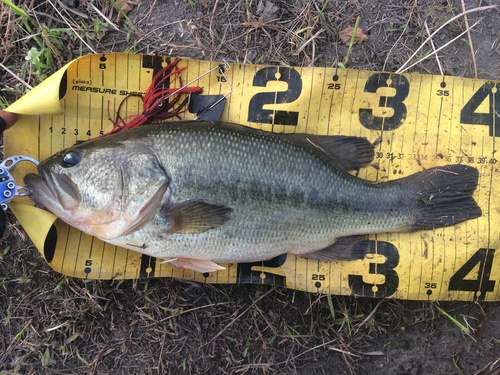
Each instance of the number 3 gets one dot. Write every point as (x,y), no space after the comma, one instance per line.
(390,286)
(402,86)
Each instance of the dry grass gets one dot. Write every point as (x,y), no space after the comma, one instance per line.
(53,324)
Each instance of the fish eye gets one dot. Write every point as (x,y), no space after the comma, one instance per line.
(70,159)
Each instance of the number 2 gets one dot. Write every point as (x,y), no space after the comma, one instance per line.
(256,111)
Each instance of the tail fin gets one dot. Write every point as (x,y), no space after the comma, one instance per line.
(443,196)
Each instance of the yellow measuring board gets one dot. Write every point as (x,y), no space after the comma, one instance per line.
(424,121)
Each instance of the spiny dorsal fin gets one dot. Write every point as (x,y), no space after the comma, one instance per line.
(195,216)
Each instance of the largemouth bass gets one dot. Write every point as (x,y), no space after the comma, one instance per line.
(199,193)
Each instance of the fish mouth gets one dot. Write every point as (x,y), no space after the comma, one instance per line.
(52,191)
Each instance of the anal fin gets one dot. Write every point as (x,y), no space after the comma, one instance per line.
(341,249)
(198,265)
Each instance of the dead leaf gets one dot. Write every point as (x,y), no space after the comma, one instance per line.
(267,11)
(125,5)
(346,35)
(353,16)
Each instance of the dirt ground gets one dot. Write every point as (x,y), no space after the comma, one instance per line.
(54,324)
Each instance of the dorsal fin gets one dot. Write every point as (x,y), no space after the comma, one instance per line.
(349,153)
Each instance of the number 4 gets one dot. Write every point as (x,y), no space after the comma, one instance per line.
(483,284)
(468,115)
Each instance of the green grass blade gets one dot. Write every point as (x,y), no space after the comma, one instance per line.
(456,322)
(352,40)
(123,13)
(17,10)
(322,9)
(330,304)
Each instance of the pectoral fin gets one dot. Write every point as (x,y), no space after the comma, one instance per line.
(342,249)
(198,265)
(195,216)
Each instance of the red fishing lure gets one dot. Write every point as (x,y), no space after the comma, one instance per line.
(160,101)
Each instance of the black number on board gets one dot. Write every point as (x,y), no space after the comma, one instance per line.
(50,130)
(89,133)
(389,287)
(63,131)
(482,283)
(443,93)
(468,114)
(221,79)
(246,275)
(430,285)
(334,86)
(76,132)
(88,262)
(402,86)
(256,111)
(316,277)
(101,133)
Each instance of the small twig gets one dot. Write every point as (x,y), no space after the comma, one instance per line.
(343,351)
(236,319)
(103,16)
(16,77)
(158,28)
(470,40)
(400,70)
(434,47)
(308,350)
(368,317)
(56,327)
(309,41)
(74,11)
(400,36)
(151,7)
(67,23)
(212,20)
